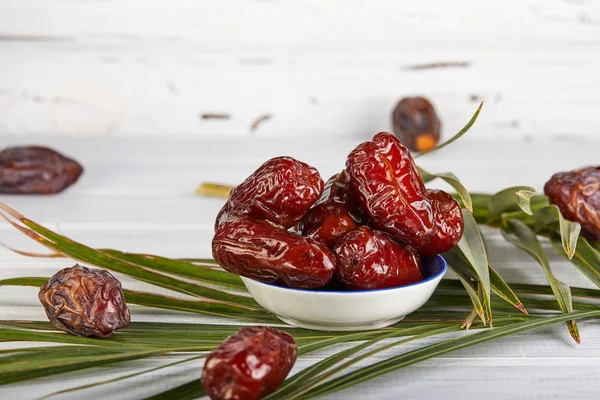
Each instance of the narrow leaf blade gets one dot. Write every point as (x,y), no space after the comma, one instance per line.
(547,218)
(453,181)
(504,291)
(473,249)
(519,234)
(454,138)
(586,258)
(524,200)
(504,201)
(437,349)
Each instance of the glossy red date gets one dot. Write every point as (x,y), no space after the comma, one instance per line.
(368,259)
(391,190)
(259,250)
(449,223)
(334,214)
(249,365)
(281,191)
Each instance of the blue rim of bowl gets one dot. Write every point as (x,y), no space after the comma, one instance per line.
(313,291)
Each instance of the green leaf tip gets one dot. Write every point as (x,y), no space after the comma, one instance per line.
(454,138)
(524,200)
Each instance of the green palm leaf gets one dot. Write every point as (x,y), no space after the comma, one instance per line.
(546,220)
(424,353)
(453,181)
(505,201)
(586,258)
(519,234)
(473,249)
(454,138)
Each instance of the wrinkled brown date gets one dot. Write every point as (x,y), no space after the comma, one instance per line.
(281,191)
(36,170)
(334,214)
(577,195)
(416,124)
(85,302)
(449,223)
(368,259)
(260,250)
(249,365)
(391,190)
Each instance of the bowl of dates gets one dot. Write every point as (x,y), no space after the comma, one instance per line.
(359,251)
(348,310)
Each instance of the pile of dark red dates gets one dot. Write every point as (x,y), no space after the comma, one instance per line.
(366,228)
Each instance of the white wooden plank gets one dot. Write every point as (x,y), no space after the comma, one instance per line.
(331,69)
(163,175)
(157,93)
(253,23)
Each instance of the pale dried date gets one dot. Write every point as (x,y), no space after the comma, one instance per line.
(577,195)
(416,123)
(85,302)
(249,365)
(36,170)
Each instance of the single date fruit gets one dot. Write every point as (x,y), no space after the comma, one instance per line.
(260,250)
(391,190)
(449,223)
(36,170)
(249,365)
(577,195)
(85,302)
(334,214)
(416,124)
(281,191)
(368,259)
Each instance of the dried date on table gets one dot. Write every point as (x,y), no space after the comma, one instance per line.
(85,302)
(416,123)
(250,364)
(259,250)
(281,191)
(391,190)
(577,195)
(36,170)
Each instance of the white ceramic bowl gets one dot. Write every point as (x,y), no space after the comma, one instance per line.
(348,310)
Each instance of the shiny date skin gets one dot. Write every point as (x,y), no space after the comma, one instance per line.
(85,302)
(262,251)
(334,214)
(577,195)
(416,123)
(391,190)
(449,223)
(249,365)
(369,259)
(281,191)
(36,170)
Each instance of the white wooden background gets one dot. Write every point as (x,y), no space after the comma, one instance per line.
(336,67)
(122,87)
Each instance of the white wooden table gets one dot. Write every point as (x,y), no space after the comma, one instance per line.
(126,87)
(137,195)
